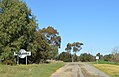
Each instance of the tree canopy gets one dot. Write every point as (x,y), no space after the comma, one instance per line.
(53,39)
(52,36)
(73,47)
(17,27)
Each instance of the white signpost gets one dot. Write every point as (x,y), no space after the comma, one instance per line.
(97,58)
(22,54)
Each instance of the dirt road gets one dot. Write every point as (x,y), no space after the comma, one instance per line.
(78,69)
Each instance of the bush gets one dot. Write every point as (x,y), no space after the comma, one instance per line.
(8,62)
(65,56)
(86,57)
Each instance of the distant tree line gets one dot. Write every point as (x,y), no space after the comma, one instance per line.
(70,54)
(87,57)
(67,57)
(19,30)
(112,57)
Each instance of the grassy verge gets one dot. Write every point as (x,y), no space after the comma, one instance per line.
(106,62)
(112,70)
(40,70)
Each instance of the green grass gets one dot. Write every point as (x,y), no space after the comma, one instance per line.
(106,62)
(34,70)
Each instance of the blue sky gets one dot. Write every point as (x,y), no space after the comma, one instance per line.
(93,22)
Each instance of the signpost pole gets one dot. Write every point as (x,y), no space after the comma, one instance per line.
(97,61)
(97,58)
(17,59)
(26,60)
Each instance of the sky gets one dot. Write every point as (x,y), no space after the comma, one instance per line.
(95,23)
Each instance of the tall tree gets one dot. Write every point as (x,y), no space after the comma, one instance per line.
(52,37)
(42,48)
(17,27)
(74,47)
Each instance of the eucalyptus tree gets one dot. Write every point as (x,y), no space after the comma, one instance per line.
(42,48)
(69,47)
(53,39)
(74,48)
(17,27)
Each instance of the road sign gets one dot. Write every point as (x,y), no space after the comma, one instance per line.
(22,54)
(28,53)
(97,57)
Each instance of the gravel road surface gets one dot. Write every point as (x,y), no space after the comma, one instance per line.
(78,69)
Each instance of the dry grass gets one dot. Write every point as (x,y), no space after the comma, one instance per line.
(112,70)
